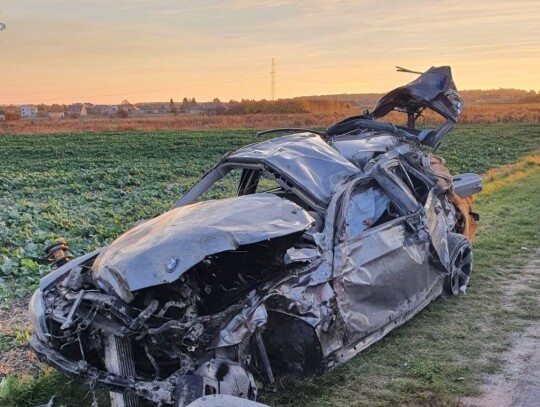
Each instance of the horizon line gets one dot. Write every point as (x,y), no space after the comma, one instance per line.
(51,102)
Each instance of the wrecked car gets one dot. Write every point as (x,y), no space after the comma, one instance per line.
(328,241)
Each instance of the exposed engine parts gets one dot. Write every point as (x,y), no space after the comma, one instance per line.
(55,254)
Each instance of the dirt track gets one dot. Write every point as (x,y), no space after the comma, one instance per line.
(518,383)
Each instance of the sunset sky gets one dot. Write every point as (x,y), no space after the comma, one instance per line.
(104,51)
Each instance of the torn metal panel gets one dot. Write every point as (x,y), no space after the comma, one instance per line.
(241,326)
(396,190)
(437,228)
(301,255)
(168,245)
(360,148)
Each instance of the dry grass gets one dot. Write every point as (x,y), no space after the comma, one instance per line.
(181,122)
(473,114)
(508,174)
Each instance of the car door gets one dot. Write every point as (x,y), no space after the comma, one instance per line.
(382,273)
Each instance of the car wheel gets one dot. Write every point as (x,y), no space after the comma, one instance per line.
(461,261)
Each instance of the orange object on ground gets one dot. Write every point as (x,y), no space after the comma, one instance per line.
(465,207)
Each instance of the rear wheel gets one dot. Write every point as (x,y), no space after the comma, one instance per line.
(461,262)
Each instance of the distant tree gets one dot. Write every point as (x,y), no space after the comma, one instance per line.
(57,108)
(122,113)
(174,110)
(184,107)
(216,100)
(12,116)
(193,102)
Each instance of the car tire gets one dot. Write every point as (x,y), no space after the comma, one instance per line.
(461,263)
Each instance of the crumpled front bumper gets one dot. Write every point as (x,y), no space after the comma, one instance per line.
(156,391)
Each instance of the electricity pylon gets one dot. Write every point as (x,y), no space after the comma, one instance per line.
(273,81)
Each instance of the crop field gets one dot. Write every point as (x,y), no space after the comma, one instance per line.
(90,187)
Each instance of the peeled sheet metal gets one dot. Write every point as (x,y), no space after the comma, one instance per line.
(381,276)
(160,250)
(305,158)
(241,326)
(429,89)
(360,148)
(437,228)
(314,303)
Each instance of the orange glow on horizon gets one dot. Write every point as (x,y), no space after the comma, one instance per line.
(58,51)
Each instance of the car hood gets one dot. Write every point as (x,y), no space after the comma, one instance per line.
(160,250)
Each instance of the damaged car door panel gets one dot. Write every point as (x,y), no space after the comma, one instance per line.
(332,240)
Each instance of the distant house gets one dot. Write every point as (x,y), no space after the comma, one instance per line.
(197,110)
(105,110)
(2,115)
(76,110)
(149,109)
(28,111)
(209,109)
(488,98)
(134,111)
(164,109)
(112,110)
(130,110)
(56,115)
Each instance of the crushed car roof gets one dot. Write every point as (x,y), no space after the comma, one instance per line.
(307,160)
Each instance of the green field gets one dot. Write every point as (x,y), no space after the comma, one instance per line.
(89,188)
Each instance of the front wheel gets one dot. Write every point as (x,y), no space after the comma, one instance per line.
(461,262)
